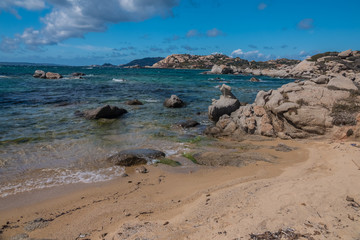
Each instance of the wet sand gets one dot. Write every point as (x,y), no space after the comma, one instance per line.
(313,190)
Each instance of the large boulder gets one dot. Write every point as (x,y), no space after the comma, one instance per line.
(345,54)
(39,74)
(221,69)
(174,102)
(51,75)
(106,111)
(135,157)
(227,104)
(78,74)
(341,83)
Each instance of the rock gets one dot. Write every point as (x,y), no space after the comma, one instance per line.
(286,107)
(227,104)
(221,69)
(188,124)
(135,157)
(78,74)
(283,148)
(341,83)
(51,75)
(141,169)
(254,79)
(321,80)
(106,111)
(21,236)
(345,54)
(134,102)
(39,74)
(174,102)
(36,224)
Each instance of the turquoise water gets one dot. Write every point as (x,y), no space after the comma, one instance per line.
(41,138)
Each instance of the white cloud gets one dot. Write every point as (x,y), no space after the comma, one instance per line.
(74,18)
(193,33)
(306,24)
(250,55)
(262,6)
(214,32)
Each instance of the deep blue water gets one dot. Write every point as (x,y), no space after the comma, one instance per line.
(40,132)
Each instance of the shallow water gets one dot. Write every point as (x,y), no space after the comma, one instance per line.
(41,139)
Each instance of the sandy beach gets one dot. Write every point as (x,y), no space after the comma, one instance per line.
(312,191)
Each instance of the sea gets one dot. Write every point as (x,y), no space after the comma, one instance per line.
(43,143)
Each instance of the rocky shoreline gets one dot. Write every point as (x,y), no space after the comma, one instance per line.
(327,103)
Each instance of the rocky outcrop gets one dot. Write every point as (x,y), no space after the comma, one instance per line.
(48,75)
(222,69)
(174,102)
(295,110)
(134,102)
(135,157)
(106,111)
(227,104)
(187,61)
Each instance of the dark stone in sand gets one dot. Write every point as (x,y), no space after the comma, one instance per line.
(21,236)
(106,111)
(135,157)
(78,74)
(141,169)
(36,224)
(134,102)
(174,102)
(188,124)
(283,148)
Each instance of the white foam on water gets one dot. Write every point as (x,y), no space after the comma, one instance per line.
(60,176)
(2,76)
(152,100)
(119,80)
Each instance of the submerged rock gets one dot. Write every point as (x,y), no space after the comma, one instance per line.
(78,74)
(254,79)
(174,102)
(106,111)
(134,102)
(227,104)
(135,157)
(188,124)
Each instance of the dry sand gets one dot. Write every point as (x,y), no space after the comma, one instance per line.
(309,190)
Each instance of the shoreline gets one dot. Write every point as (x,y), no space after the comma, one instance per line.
(157,196)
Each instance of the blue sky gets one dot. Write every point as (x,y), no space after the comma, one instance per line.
(84,32)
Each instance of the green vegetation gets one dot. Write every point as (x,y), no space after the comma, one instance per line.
(195,140)
(344,113)
(190,157)
(169,162)
(320,55)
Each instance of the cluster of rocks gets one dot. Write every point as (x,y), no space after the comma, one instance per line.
(330,64)
(48,75)
(51,75)
(295,110)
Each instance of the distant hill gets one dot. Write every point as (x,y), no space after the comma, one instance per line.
(27,64)
(149,61)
